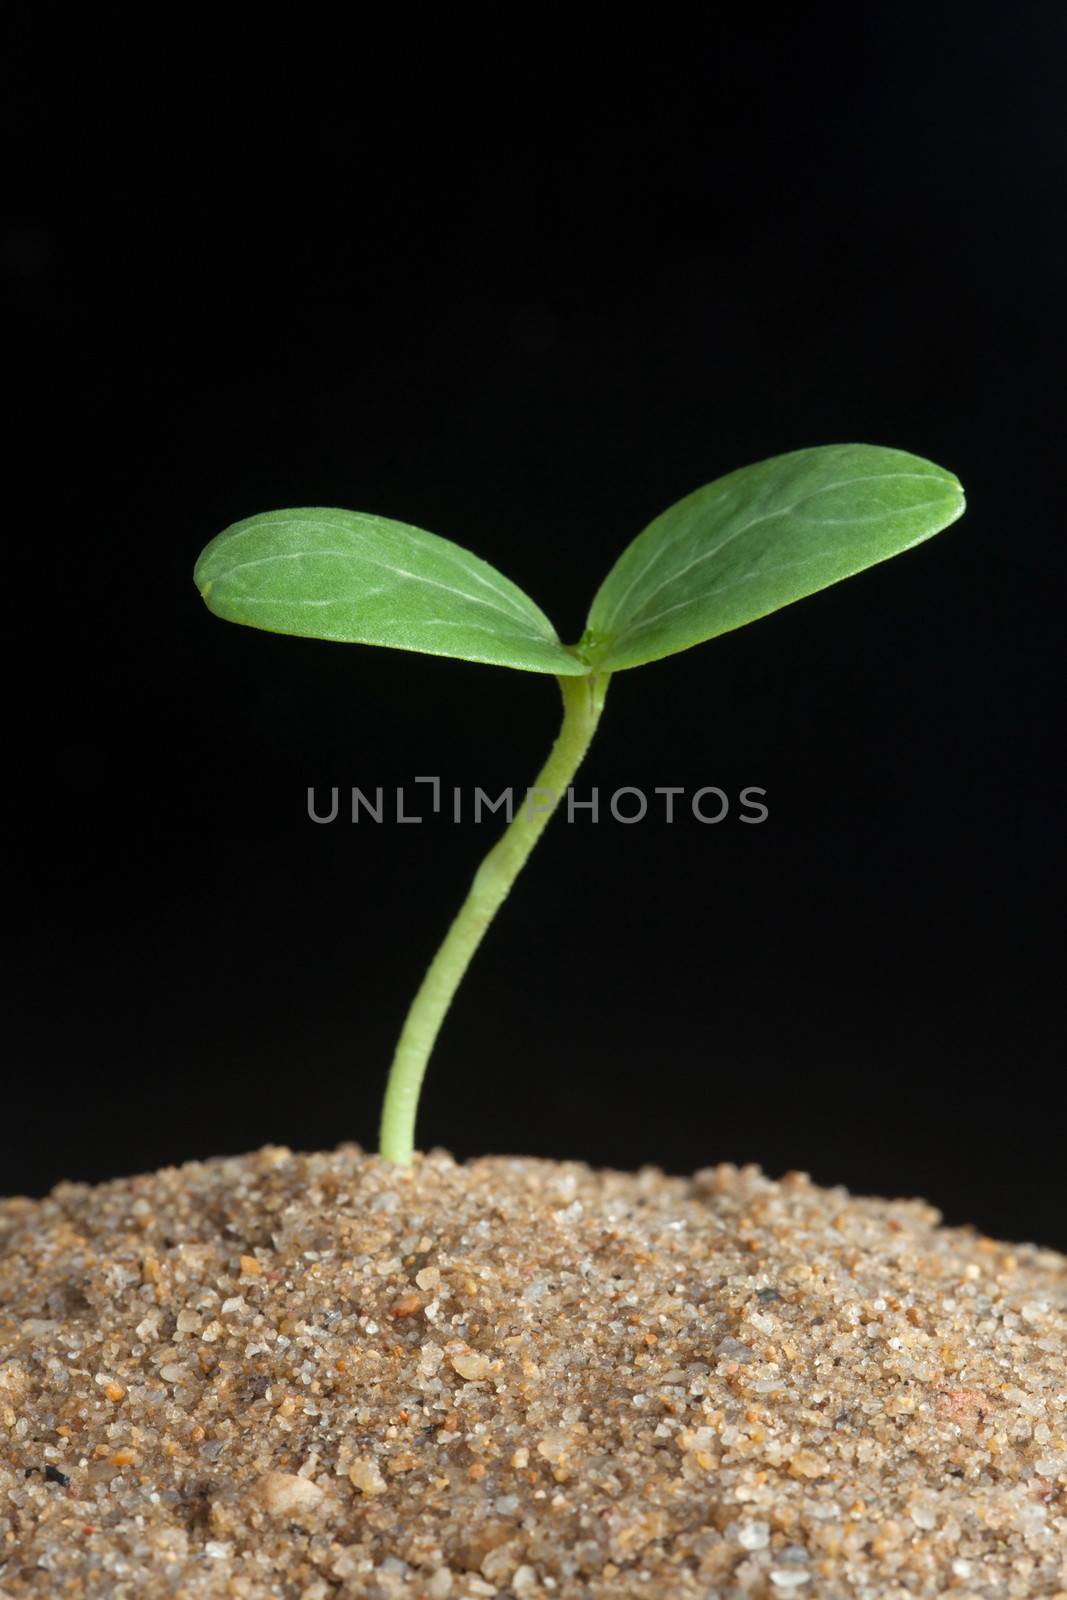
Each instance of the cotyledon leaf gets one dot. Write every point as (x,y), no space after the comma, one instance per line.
(360,579)
(760,538)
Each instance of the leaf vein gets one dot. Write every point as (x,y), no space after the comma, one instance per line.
(769,516)
(629,632)
(442,550)
(388,566)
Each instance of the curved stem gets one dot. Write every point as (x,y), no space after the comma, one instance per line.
(583,701)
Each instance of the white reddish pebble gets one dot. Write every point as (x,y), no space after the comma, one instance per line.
(188,1321)
(428,1278)
(806,1464)
(366,1476)
(470,1365)
(284,1493)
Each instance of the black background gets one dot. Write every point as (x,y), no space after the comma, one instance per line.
(527,287)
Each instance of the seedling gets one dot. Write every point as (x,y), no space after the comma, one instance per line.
(728,553)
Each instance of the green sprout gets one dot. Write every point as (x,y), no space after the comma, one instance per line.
(732,551)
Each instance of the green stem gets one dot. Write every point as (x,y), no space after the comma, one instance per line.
(583,701)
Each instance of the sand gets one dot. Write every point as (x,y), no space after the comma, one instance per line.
(318,1376)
